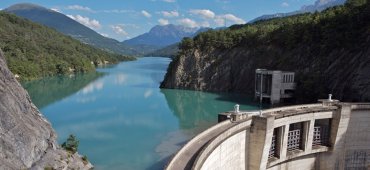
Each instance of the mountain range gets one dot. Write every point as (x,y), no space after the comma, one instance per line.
(162,36)
(158,37)
(68,26)
(161,39)
(319,5)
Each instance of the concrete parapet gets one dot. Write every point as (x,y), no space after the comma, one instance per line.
(247,142)
(184,157)
(216,143)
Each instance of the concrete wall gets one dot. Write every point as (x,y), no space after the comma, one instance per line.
(228,149)
(307,162)
(246,144)
(229,154)
(357,140)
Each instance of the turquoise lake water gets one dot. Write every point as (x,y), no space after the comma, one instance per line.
(122,118)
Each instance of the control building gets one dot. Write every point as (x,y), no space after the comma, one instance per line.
(274,85)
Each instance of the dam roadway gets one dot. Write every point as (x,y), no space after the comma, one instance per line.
(313,136)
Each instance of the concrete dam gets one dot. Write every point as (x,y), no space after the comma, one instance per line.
(327,135)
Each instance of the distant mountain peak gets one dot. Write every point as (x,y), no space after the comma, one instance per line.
(163,35)
(319,5)
(26,6)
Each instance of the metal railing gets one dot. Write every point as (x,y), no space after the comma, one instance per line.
(320,136)
(294,140)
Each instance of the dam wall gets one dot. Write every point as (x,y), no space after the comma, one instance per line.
(327,135)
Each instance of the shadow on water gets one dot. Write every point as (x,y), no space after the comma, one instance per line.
(194,108)
(190,107)
(241,99)
(51,89)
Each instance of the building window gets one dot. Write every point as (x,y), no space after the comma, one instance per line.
(321,132)
(295,137)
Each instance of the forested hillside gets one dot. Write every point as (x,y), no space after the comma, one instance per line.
(68,26)
(329,51)
(33,50)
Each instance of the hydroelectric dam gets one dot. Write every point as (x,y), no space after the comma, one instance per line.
(329,135)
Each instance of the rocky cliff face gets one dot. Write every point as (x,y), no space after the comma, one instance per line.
(347,77)
(330,56)
(27,139)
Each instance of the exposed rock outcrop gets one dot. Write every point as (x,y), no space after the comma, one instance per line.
(27,139)
(324,61)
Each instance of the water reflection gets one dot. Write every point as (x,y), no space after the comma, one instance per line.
(51,89)
(198,109)
(123,120)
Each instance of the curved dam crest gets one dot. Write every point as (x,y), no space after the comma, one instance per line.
(327,135)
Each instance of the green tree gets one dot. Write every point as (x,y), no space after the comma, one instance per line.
(71,144)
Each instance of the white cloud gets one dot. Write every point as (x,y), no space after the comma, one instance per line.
(170,14)
(204,24)
(148,93)
(188,22)
(54,9)
(146,14)
(219,21)
(91,23)
(232,18)
(118,11)
(118,29)
(284,4)
(169,1)
(103,34)
(79,8)
(120,79)
(163,21)
(95,86)
(205,13)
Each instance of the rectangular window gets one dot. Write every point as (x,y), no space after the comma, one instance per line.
(321,132)
(295,136)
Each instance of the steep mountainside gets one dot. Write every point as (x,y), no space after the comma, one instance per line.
(168,51)
(68,26)
(33,50)
(27,139)
(329,52)
(319,5)
(172,49)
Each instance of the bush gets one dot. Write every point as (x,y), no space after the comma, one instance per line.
(85,160)
(71,144)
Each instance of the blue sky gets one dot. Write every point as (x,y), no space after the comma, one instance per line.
(124,19)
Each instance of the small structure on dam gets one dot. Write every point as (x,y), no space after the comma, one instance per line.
(326,135)
(274,85)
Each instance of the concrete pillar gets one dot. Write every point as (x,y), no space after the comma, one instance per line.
(284,141)
(262,130)
(308,128)
(276,87)
(337,139)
